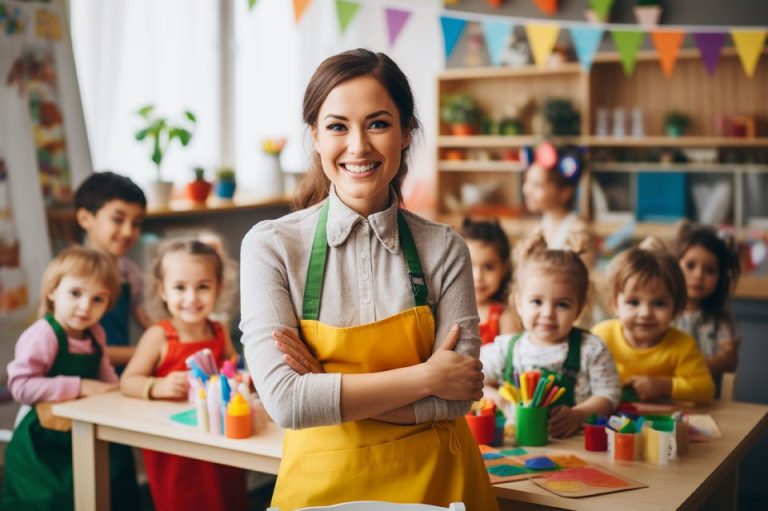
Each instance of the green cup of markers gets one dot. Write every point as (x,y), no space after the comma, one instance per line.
(531,425)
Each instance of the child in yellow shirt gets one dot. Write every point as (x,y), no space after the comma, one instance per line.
(655,361)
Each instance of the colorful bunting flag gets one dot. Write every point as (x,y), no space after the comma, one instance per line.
(709,46)
(667,45)
(627,42)
(749,45)
(299,6)
(496,39)
(396,19)
(547,6)
(542,39)
(586,40)
(601,8)
(452,29)
(251,3)
(345,11)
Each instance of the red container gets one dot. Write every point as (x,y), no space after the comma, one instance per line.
(483,427)
(595,438)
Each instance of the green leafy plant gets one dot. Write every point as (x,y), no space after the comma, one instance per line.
(161,131)
(460,109)
(563,118)
(225,175)
(199,173)
(675,123)
(647,3)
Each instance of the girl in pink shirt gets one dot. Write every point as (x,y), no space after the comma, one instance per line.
(61,357)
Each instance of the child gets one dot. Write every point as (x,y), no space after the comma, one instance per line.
(550,289)
(110,209)
(188,278)
(655,360)
(492,271)
(62,357)
(711,268)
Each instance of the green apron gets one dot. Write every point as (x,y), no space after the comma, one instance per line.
(38,461)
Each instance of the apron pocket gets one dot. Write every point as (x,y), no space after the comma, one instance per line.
(373,455)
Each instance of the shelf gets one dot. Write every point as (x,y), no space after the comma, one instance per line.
(183,207)
(479,166)
(752,286)
(677,167)
(499,141)
(508,72)
(663,141)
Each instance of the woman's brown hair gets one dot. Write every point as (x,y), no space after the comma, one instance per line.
(331,73)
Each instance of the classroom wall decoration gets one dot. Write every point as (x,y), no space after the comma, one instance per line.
(13,286)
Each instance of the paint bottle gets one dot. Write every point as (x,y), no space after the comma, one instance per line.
(201,408)
(238,420)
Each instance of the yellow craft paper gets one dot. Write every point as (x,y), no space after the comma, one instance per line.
(542,39)
(569,486)
(749,46)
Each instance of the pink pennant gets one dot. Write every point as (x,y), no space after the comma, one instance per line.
(396,19)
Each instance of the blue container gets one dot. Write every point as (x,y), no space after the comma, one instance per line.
(225,189)
(661,196)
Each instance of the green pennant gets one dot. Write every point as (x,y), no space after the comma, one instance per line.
(628,42)
(346,11)
(251,3)
(601,8)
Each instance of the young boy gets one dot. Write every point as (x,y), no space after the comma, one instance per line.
(110,209)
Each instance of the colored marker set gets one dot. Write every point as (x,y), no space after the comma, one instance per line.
(530,390)
(656,438)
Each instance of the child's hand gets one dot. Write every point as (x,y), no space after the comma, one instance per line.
(174,386)
(651,388)
(89,387)
(296,353)
(564,421)
(454,376)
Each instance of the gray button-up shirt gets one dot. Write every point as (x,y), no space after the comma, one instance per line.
(366,280)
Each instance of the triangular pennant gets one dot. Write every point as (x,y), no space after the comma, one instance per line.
(299,6)
(709,46)
(547,6)
(251,3)
(452,29)
(627,42)
(667,45)
(396,19)
(496,39)
(542,39)
(345,11)
(601,8)
(586,40)
(749,46)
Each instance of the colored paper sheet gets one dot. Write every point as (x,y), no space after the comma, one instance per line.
(496,37)
(452,29)
(187,417)
(542,39)
(709,46)
(396,19)
(667,45)
(345,11)
(587,481)
(749,46)
(586,40)
(601,8)
(547,6)
(627,43)
(47,25)
(299,6)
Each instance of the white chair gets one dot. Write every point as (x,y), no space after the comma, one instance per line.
(370,505)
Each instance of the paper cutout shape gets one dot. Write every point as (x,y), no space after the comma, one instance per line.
(601,8)
(511,463)
(749,45)
(540,463)
(492,456)
(345,11)
(542,39)
(185,418)
(506,470)
(703,428)
(452,29)
(47,25)
(514,452)
(627,43)
(496,38)
(709,46)
(667,45)
(396,19)
(585,482)
(586,40)
(299,6)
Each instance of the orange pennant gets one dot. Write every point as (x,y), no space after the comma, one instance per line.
(299,6)
(667,45)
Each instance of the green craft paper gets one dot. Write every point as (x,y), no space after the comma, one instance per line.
(187,417)
(514,452)
(506,470)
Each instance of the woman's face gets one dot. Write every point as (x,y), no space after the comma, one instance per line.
(359,140)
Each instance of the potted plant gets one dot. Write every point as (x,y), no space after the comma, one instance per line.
(461,114)
(225,183)
(675,123)
(647,12)
(198,190)
(562,117)
(161,131)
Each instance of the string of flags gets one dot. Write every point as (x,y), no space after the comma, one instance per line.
(586,36)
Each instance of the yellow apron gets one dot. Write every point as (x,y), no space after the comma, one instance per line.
(434,463)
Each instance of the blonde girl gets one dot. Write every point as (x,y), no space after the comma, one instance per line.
(550,289)
(188,277)
(655,360)
(61,357)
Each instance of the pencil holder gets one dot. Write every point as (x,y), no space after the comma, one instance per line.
(595,437)
(483,427)
(531,425)
(624,446)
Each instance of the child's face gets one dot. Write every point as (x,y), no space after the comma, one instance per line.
(79,302)
(488,269)
(541,193)
(645,311)
(547,306)
(701,273)
(114,228)
(189,287)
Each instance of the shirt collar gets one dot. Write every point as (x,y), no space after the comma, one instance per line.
(342,220)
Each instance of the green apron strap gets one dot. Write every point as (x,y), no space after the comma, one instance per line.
(571,366)
(509,364)
(61,336)
(415,272)
(316,268)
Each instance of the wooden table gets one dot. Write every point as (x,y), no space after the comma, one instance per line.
(707,472)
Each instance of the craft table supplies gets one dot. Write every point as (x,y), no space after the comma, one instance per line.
(595,436)
(481,420)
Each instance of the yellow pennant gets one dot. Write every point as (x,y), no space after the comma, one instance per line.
(749,45)
(542,39)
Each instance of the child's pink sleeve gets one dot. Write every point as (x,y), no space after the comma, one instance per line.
(35,352)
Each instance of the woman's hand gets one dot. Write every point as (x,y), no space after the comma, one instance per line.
(295,353)
(451,375)
(651,388)
(173,386)
(90,387)
(564,421)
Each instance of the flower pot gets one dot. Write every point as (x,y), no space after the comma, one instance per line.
(198,190)
(648,15)
(271,181)
(674,130)
(462,130)
(159,194)
(225,189)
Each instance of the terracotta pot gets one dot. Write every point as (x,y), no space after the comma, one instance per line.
(462,130)
(197,191)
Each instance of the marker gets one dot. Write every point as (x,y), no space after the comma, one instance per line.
(558,395)
(201,410)
(214,407)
